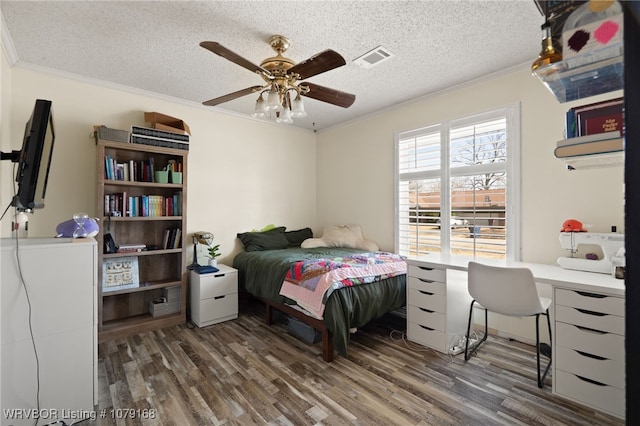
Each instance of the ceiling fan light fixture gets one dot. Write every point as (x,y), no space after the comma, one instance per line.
(273,100)
(297,108)
(282,77)
(260,110)
(284,117)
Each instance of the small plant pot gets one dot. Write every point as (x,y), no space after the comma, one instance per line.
(213,262)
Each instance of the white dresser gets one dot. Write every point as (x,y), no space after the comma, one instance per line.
(214,297)
(437,305)
(60,276)
(589,349)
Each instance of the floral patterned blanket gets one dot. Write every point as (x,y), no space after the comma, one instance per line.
(311,282)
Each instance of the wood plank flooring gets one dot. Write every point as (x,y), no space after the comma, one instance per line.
(243,372)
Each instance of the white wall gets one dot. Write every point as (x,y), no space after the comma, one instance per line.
(242,174)
(356,170)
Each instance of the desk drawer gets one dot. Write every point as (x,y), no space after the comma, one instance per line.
(607,345)
(590,319)
(429,318)
(426,300)
(611,305)
(427,336)
(425,273)
(607,371)
(428,286)
(603,397)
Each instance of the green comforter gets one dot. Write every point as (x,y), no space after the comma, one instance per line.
(261,273)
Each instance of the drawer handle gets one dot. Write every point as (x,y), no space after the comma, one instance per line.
(585,311)
(219,297)
(424,268)
(426,292)
(219,275)
(587,294)
(591,330)
(426,281)
(584,379)
(426,310)
(588,355)
(426,328)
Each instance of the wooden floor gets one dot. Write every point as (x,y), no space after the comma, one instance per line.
(243,372)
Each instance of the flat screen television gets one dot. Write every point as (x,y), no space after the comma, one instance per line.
(35,158)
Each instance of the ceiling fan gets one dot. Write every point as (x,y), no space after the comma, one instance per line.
(282,78)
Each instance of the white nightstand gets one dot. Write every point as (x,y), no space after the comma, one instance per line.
(214,296)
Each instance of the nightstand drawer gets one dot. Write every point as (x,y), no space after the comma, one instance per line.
(425,273)
(216,309)
(217,284)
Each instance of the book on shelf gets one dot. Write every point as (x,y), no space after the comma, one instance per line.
(597,117)
(133,171)
(120,273)
(131,248)
(172,238)
(588,148)
(590,138)
(116,204)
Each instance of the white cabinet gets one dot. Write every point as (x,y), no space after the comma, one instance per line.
(60,278)
(437,305)
(589,365)
(214,296)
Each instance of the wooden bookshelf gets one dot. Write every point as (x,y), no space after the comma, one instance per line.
(123,312)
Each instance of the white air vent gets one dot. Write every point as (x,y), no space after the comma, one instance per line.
(373,57)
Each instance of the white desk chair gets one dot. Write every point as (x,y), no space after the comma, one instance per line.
(507,291)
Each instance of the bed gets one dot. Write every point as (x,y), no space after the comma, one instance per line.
(262,272)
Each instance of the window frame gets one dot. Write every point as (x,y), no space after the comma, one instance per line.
(512,167)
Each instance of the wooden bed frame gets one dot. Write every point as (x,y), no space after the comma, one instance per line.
(327,335)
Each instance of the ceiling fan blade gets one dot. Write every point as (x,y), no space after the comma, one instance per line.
(220,50)
(332,96)
(232,96)
(317,64)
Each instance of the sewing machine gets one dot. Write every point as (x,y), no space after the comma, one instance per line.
(611,244)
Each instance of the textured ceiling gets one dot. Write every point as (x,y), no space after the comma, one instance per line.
(154,45)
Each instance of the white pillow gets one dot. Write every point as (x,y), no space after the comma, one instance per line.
(341,236)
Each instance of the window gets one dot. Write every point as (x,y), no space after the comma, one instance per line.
(458,187)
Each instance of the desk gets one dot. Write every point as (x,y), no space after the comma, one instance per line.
(587,322)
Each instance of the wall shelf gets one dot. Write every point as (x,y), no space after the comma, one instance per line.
(591,74)
(611,159)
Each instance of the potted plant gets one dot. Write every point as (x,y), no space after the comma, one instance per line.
(214,252)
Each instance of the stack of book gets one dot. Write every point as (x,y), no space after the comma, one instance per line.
(156,137)
(596,128)
(598,117)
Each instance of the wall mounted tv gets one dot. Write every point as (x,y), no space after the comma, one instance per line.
(34,159)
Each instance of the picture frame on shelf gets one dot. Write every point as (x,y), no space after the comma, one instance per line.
(120,273)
